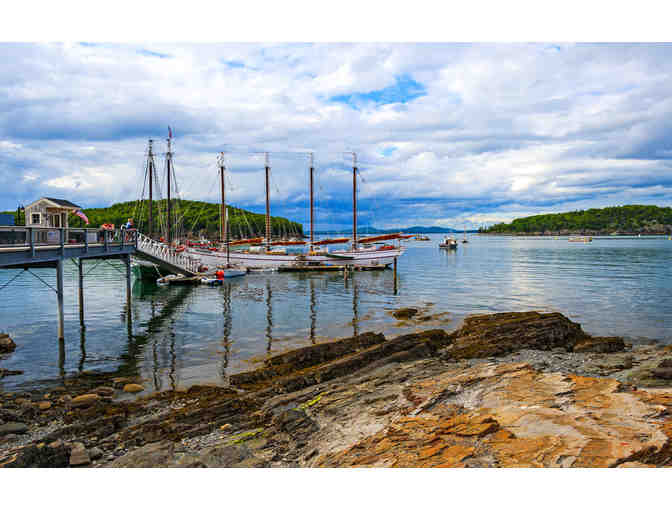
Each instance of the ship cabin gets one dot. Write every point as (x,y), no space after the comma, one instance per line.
(49,212)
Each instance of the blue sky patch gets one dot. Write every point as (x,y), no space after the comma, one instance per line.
(405,89)
(149,53)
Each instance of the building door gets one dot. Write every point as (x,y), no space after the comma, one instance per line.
(55,220)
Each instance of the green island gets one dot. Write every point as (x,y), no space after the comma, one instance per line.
(624,220)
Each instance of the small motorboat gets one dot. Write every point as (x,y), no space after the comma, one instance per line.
(449,243)
(221,274)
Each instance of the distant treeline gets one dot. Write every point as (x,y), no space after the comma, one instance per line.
(627,219)
(192,217)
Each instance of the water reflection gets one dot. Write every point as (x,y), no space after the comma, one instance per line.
(185,335)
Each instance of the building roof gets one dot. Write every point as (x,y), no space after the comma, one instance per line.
(57,201)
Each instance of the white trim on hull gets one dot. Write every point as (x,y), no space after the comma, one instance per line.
(362,257)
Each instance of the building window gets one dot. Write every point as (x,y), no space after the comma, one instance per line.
(35,219)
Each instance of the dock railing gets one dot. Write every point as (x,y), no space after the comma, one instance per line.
(17,238)
(162,251)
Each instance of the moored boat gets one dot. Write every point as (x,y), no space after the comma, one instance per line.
(580,239)
(266,253)
(449,243)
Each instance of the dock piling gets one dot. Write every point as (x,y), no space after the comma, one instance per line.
(59,297)
(80,266)
(127,262)
(395,275)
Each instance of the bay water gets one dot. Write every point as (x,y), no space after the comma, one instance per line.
(179,336)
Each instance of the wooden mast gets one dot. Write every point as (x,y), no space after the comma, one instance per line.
(354,201)
(268,207)
(151,182)
(312,223)
(223,204)
(169,157)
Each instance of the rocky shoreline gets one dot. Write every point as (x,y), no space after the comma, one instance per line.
(509,389)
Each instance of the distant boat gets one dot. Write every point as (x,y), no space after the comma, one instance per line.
(464,233)
(422,238)
(449,243)
(581,239)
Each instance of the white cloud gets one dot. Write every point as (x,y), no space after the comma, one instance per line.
(503,130)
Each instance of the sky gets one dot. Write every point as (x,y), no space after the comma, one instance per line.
(446,134)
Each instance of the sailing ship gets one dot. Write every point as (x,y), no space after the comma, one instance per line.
(265,253)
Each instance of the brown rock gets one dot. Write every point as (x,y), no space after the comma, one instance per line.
(79,456)
(498,334)
(666,363)
(85,400)
(662,373)
(404,313)
(600,344)
(6,343)
(133,388)
(104,391)
(44,405)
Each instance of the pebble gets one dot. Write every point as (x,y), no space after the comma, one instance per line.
(104,391)
(44,405)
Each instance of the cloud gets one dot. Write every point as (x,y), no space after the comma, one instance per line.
(445,133)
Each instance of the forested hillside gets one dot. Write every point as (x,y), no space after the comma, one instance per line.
(627,219)
(194,217)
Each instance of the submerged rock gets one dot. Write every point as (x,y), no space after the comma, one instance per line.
(6,343)
(404,313)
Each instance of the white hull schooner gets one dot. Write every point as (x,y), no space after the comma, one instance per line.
(361,252)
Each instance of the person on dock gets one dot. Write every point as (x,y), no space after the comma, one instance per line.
(219,274)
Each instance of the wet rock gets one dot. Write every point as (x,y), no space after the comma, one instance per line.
(35,457)
(160,454)
(404,313)
(296,423)
(6,373)
(133,388)
(662,373)
(13,428)
(498,334)
(104,391)
(6,343)
(666,363)
(600,344)
(44,405)
(225,455)
(84,400)
(95,453)
(79,456)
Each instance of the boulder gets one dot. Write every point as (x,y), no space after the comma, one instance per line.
(404,313)
(600,344)
(84,400)
(133,388)
(13,428)
(6,343)
(95,453)
(498,334)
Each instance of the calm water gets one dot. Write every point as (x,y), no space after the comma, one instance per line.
(179,336)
